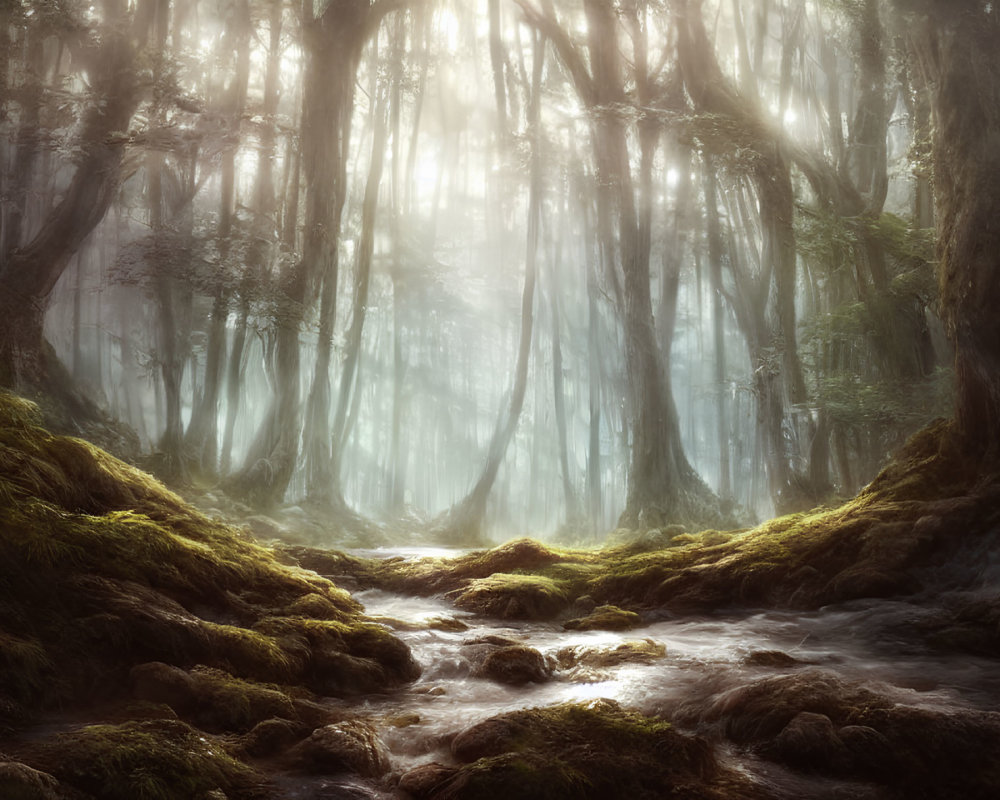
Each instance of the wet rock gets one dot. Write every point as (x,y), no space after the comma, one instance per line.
(423,780)
(582,606)
(592,751)
(868,752)
(605,618)
(488,738)
(809,741)
(270,737)
(815,720)
(349,746)
(515,665)
(862,580)
(635,651)
(21,782)
(770,658)
(403,720)
(505,660)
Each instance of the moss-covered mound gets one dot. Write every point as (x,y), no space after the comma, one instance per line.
(159,759)
(814,721)
(598,750)
(102,570)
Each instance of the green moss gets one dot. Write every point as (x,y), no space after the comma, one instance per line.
(510,596)
(595,750)
(102,568)
(233,704)
(148,760)
(604,618)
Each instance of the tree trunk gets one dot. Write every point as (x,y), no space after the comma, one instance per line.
(29,273)
(958,42)
(463,522)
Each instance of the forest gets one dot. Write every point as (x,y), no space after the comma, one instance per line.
(450,399)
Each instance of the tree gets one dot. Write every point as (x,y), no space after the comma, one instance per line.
(29,269)
(956,43)
(662,485)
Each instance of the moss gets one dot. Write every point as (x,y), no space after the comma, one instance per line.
(102,568)
(595,750)
(510,596)
(226,703)
(604,618)
(148,760)
(815,720)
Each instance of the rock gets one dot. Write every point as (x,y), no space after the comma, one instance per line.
(770,658)
(403,720)
(605,618)
(515,665)
(868,751)
(640,651)
(508,596)
(594,751)
(21,782)
(582,606)
(487,738)
(423,780)
(156,682)
(349,746)
(271,737)
(264,527)
(815,720)
(809,741)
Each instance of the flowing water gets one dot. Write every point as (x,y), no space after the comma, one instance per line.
(705,656)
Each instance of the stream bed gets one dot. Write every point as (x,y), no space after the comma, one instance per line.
(705,657)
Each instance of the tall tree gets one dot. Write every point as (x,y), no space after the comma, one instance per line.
(662,485)
(30,269)
(333,42)
(957,44)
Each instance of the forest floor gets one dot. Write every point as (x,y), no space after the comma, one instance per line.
(150,650)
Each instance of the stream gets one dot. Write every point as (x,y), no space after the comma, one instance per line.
(705,656)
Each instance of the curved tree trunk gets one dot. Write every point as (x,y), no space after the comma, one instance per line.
(29,273)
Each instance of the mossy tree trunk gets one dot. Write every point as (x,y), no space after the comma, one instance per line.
(957,43)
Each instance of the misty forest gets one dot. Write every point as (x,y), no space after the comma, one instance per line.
(472,399)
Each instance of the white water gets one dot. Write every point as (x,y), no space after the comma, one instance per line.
(704,656)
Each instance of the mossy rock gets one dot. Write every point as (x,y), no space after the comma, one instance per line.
(634,651)
(211,698)
(102,568)
(21,782)
(514,665)
(510,596)
(605,618)
(161,759)
(597,750)
(352,746)
(817,721)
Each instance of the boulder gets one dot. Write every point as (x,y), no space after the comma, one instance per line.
(605,618)
(348,746)
(21,782)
